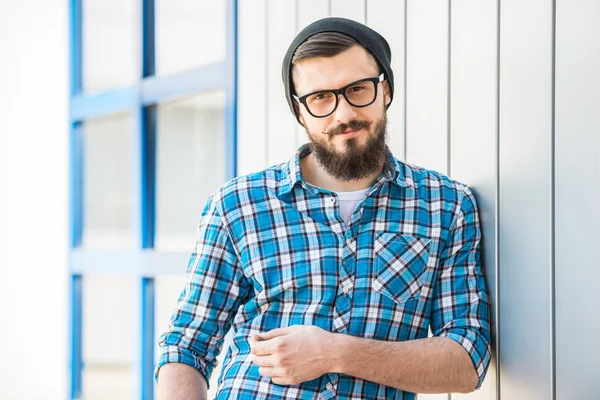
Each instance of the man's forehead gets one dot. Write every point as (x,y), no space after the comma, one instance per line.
(321,73)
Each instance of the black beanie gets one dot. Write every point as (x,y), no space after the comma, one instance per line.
(372,41)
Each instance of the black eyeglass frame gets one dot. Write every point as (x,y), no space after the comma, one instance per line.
(342,91)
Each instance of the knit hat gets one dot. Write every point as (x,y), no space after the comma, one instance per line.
(372,41)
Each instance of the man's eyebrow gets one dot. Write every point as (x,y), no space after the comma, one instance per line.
(333,88)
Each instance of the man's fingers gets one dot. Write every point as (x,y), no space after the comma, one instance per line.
(265,361)
(266,347)
(254,339)
(275,333)
(269,371)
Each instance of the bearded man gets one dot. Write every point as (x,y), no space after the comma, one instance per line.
(332,267)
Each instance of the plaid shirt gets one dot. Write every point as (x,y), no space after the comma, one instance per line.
(273,251)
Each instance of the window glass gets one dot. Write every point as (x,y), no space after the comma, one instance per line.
(189,34)
(190,165)
(108,333)
(108,182)
(109,45)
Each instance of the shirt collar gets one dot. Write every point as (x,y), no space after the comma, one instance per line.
(291,173)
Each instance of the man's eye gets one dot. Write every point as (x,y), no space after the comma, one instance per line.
(320,96)
(356,88)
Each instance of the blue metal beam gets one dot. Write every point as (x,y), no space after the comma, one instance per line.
(147,338)
(76,335)
(152,90)
(85,106)
(201,79)
(231,93)
(146,145)
(75,198)
(143,156)
(136,263)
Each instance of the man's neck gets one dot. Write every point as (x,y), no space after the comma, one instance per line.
(316,175)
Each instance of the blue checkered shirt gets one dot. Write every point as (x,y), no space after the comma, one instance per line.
(273,251)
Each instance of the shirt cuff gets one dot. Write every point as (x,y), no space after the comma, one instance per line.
(478,349)
(174,354)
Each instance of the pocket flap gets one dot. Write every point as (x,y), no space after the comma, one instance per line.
(400,260)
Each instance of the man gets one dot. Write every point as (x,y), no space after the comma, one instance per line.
(332,267)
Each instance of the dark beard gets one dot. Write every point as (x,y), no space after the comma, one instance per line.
(358,161)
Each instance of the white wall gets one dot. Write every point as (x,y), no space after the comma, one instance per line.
(33,199)
(501,95)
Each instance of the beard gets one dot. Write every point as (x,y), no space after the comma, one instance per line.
(357,162)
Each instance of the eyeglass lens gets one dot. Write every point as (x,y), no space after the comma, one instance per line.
(358,95)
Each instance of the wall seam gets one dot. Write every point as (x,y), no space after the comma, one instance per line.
(497,206)
(448,102)
(267,84)
(552,213)
(405,77)
(448,97)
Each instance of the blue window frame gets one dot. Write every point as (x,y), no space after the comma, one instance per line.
(140,99)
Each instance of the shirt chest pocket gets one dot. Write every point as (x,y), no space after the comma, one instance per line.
(400,262)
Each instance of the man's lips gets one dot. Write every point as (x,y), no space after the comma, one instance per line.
(350,132)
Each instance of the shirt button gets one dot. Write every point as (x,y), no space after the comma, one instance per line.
(329,386)
(345,289)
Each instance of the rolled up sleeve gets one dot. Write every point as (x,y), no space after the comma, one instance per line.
(214,289)
(461,309)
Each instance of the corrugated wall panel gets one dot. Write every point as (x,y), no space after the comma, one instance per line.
(427,90)
(352,9)
(252,88)
(577,198)
(525,193)
(427,84)
(388,18)
(473,129)
(281,124)
(524,150)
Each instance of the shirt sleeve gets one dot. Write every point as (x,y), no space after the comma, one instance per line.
(460,309)
(214,289)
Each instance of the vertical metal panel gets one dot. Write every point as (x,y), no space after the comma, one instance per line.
(351,9)
(427,84)
(308,11)
(281,124)
(427,61)
(388,17)
(525,199)
(252,86)
(473,130)
(577,194)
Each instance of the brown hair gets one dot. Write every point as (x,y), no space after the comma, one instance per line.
(325,44)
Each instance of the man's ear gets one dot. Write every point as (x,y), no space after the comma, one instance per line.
(386,93)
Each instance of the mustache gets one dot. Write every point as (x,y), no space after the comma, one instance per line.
(353,125)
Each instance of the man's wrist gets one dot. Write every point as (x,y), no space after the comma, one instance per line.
(341,346)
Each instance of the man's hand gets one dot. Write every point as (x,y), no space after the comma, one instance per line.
(294,354)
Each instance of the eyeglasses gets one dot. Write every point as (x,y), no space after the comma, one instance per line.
(323,103)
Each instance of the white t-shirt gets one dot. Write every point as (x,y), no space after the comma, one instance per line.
(349,201)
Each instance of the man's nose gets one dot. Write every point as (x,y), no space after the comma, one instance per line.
(344,112)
